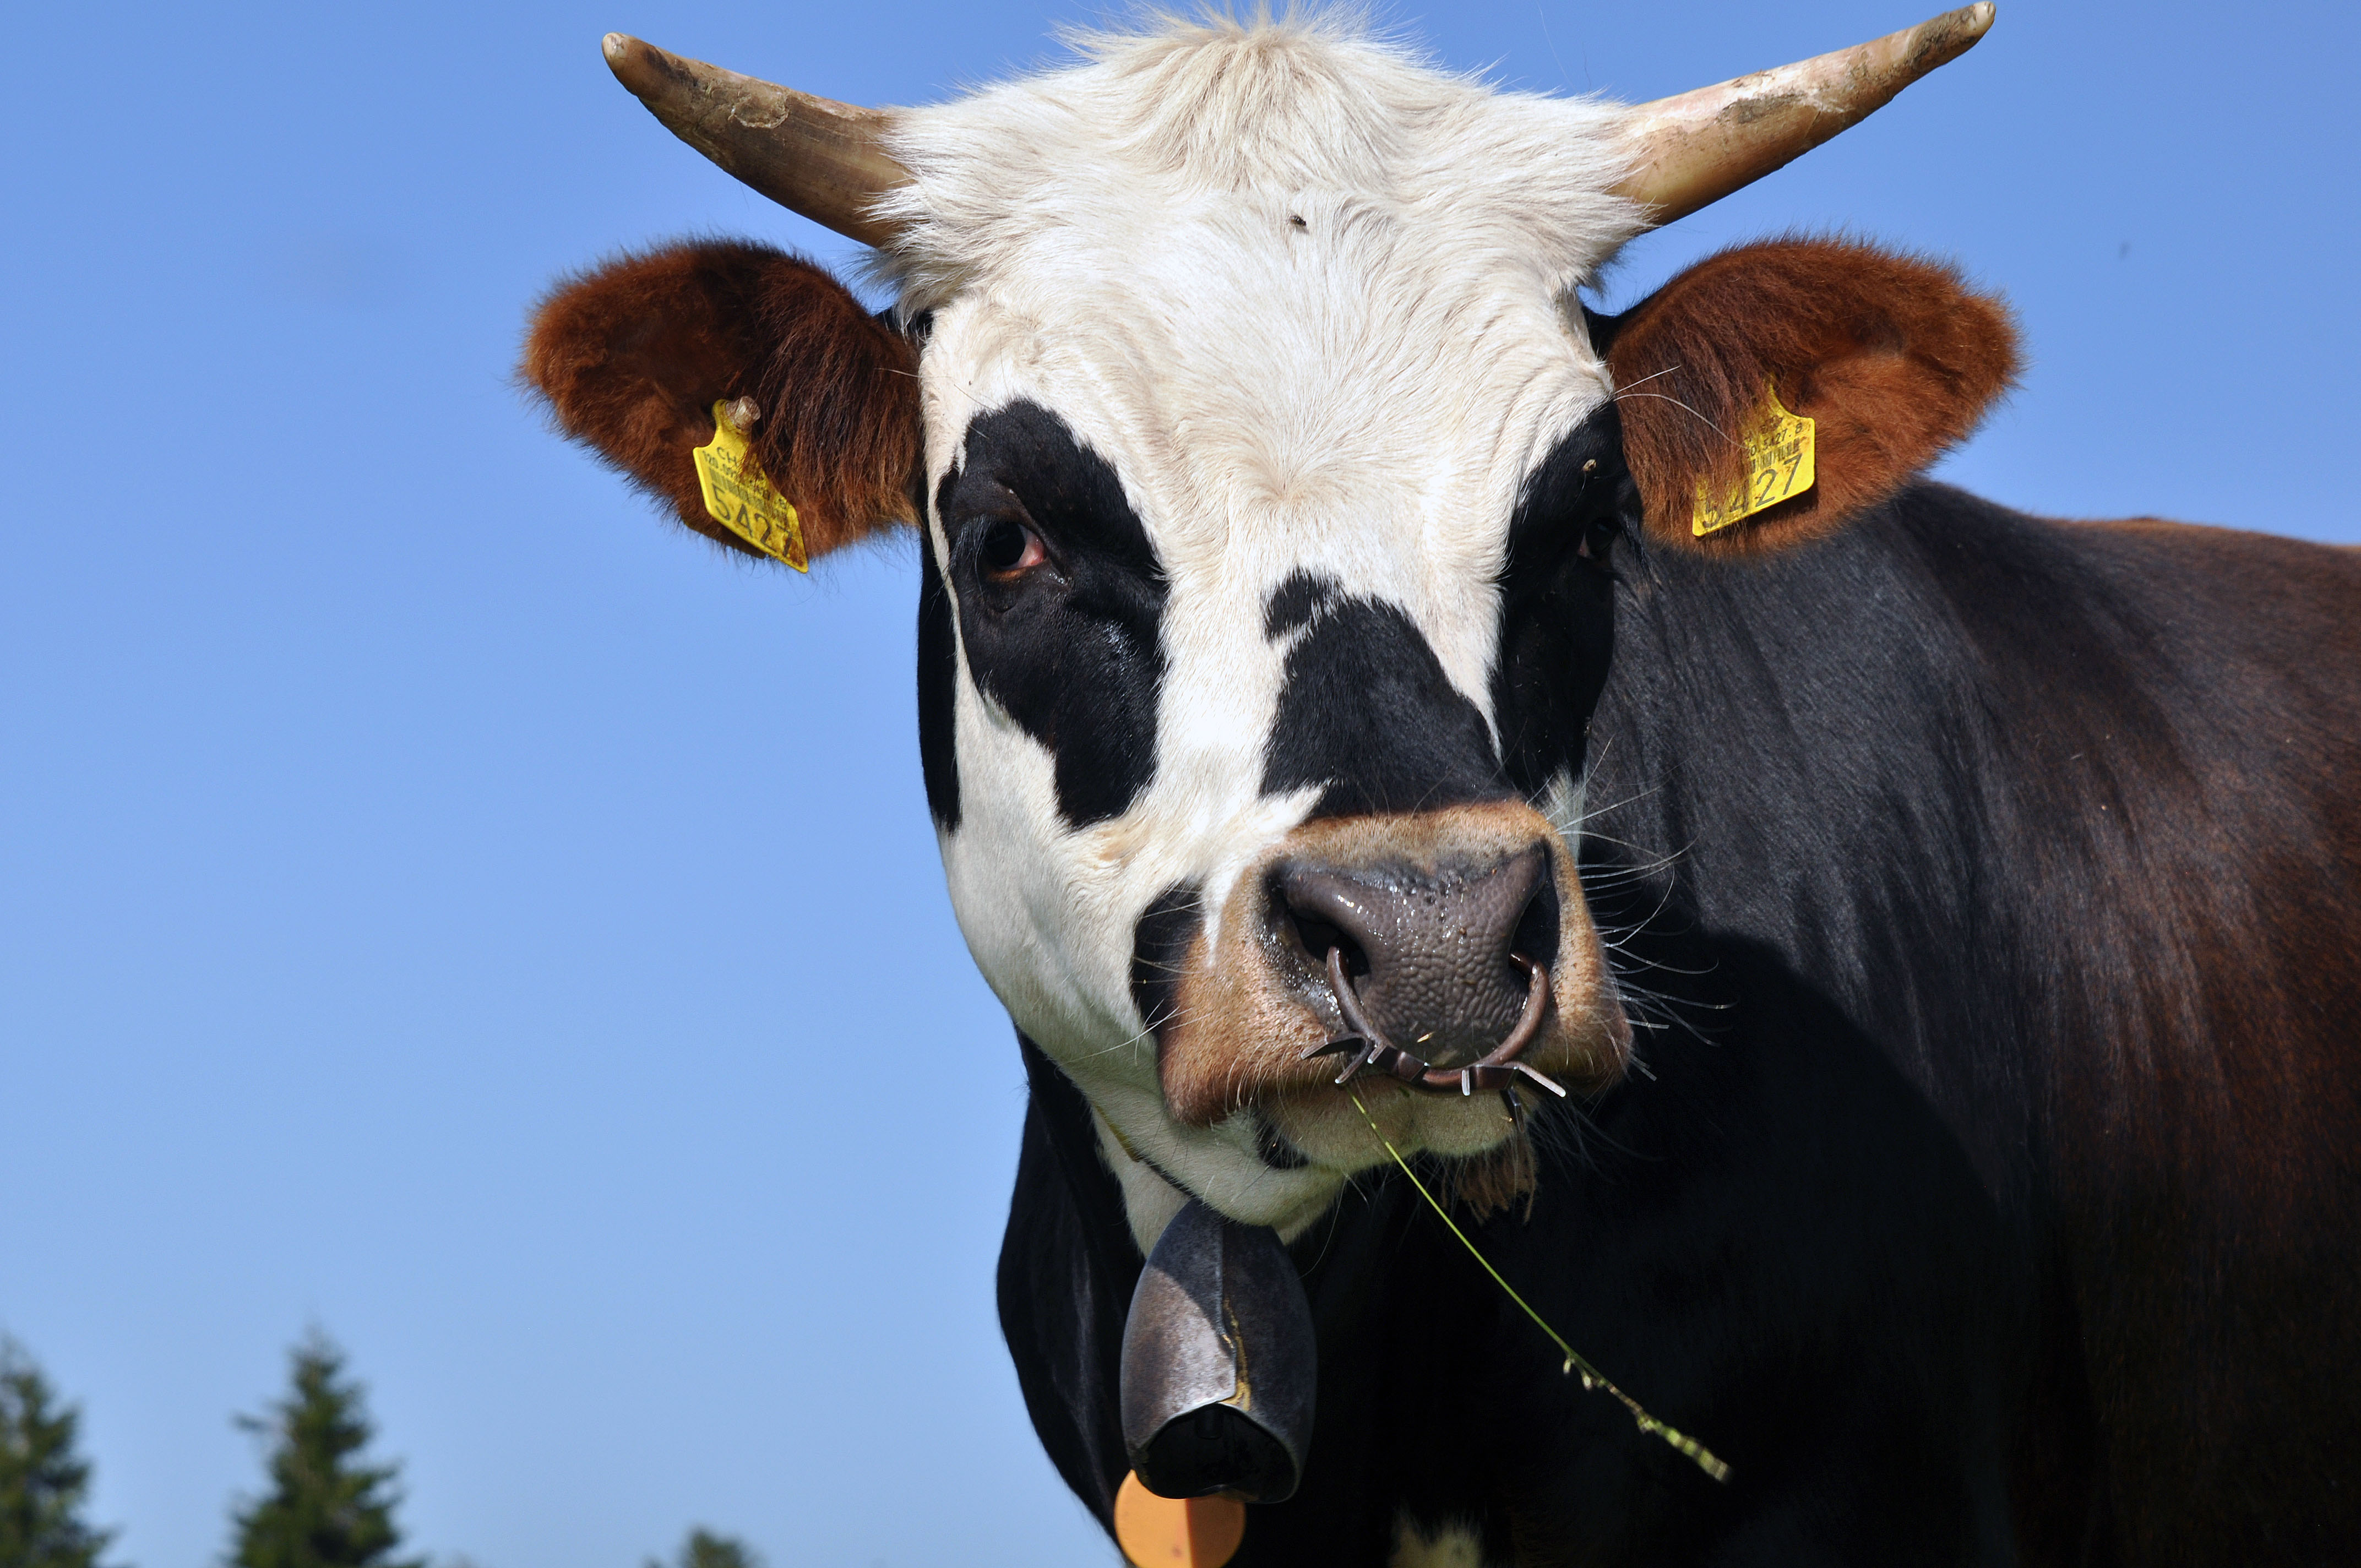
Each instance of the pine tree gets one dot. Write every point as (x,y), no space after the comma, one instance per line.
(703,1549)
(42,1479)
(326,1507)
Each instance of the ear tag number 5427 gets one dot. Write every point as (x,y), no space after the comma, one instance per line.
(1778,466)
(738,495)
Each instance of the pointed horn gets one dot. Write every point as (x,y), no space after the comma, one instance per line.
(813,155)
(1693,151)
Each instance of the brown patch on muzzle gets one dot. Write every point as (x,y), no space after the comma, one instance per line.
(1438,924)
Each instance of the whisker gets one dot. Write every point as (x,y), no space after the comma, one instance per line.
(1685,408)
(1648,378)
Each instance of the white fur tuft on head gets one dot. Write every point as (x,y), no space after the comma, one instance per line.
(1222,120)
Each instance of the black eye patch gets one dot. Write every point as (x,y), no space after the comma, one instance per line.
(1073,649)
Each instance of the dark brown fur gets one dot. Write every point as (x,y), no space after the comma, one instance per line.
(632,356)
(1895,359)
(2066,816)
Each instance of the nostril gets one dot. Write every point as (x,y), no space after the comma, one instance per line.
(1320,937)
(1536,932)
(1315,907)
(1316,935)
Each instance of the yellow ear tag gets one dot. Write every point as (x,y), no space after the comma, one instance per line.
(1778,466)
(738,495)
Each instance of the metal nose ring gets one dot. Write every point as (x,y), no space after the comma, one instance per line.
(1499,1069)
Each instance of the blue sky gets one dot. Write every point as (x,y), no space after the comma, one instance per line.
(441,903)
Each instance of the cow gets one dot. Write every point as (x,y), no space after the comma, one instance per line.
(1876,968)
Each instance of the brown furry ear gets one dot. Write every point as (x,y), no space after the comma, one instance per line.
(1895,359)
(633,356)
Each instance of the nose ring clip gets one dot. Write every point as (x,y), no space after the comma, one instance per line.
(1499,1068)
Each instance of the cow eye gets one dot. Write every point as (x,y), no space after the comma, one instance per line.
(1009,547)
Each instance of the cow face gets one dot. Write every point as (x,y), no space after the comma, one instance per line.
(1220,495)
(1270,477)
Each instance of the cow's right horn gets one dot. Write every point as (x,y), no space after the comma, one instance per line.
(1691,150)
(813,155)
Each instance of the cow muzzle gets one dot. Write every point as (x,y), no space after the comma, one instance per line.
(1424,961)
(1439,952)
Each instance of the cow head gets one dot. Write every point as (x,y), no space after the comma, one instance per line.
(1272,485)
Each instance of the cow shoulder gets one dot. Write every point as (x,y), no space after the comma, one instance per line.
(631,356)
(1895,359)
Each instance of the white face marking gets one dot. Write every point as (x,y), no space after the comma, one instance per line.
(1310,300)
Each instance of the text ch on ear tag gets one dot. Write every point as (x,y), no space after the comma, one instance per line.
(738,495)
(1779,467)
(1176,1532)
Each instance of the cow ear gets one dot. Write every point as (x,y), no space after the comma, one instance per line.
(632,356)
(1893,359)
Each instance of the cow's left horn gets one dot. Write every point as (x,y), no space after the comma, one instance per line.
(1694,150)
(813,155)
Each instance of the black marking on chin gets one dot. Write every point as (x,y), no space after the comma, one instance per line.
(1160,946)
(937,677)
(1368,712)
(1072,649)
